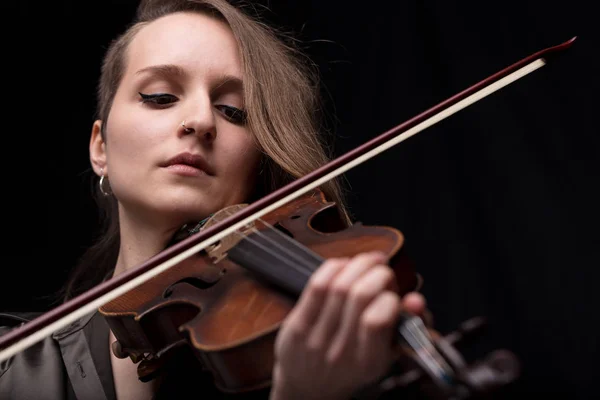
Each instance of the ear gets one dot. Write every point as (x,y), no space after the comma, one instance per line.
(98,149)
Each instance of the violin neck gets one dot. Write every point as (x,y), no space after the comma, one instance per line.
(276,258)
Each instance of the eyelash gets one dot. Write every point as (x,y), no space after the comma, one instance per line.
(233,114)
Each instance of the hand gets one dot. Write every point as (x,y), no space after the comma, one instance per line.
(339,335)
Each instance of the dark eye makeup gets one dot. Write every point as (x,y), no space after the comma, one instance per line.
(158,98)
(233,114)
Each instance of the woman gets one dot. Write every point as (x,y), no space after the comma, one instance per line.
(200,107)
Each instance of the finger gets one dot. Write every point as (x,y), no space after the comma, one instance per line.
(377,331)
(298,323)
(312,299)
(414,303)
(328,321)
(362,293)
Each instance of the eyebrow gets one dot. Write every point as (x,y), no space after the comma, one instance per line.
(166,70)
(230,82)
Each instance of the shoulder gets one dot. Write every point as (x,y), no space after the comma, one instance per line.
(12,320)
(40,372)
(39,362)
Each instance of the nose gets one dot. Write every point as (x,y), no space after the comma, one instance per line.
(200,123)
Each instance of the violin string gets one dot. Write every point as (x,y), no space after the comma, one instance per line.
(303,269)
(283,253)
(302,265)
(306,250)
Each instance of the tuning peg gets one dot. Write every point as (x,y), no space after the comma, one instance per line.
(497,370)
(117,350)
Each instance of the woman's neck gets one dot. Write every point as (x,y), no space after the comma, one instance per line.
(139,242)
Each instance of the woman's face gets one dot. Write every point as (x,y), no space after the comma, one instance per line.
(187,68)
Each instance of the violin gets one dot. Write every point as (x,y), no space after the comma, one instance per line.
(227,302)
(225,286)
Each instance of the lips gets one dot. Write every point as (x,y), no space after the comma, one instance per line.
(192,160)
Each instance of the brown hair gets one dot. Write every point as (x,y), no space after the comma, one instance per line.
(282,101)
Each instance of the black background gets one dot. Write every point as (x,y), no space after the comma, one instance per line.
(498,203)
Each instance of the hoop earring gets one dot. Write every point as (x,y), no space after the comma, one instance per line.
(104,185)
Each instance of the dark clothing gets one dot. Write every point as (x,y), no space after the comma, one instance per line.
(74,364)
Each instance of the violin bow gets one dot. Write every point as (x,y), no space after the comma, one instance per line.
(37,329)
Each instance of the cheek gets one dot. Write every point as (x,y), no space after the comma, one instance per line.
(124,142)
(241,158)
(131,132)
(129,143)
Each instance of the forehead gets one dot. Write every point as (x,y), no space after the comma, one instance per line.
(194,41)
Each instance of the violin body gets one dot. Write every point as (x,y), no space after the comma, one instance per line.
(227,302)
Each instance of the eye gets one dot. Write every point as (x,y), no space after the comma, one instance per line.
(233,114)
(160,99)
